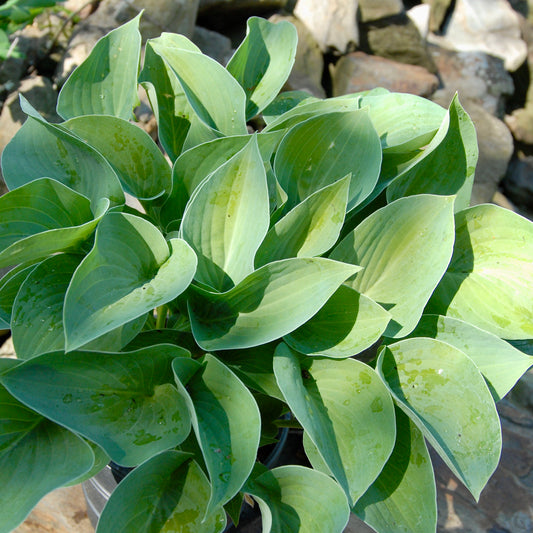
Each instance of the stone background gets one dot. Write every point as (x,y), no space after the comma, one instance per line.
(483,49)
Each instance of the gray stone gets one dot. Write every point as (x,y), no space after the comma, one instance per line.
(518,183)
(229,6)
(437,13)
(520,122)
(420,15)
(491,26)
(359,72)
(306,74)
(475,76)
(40,93)
(213,44)
(398,40)
(370,10)
(331,22)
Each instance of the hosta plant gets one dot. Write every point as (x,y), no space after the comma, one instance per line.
(287,261)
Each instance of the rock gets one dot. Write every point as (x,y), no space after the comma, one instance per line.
(505,503)
(420,16)
(438,12)
(518,183)
(331,22)
(178,16)
(213,44)
(40,93)
(306,74)
(475,76)
(7,349)
(359,72)
(398,40)
(491,26)
(371,10)
(229,6)
(520,122)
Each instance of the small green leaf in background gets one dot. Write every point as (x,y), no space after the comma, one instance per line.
(447,165)
(129,271)
(41,149)
(263,61)
(227,423)
(223,109)
(126,403)
(287,497)
(194,165)
(346,411)
(269,303)
(168,101)
(403,497)
(44,217)
(227,218)
(132,153)
(167,494)
(310,229)
(405,249)
(500,363)
(489,282)
(445,395)
(106,82)
(347,324)
(324,149)
(36,457)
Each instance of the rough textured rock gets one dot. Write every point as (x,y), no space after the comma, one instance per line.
(308,66)
(331,22)
(40,93)
(520,122)
(177,16)
(474,75)
(437,13)
(518,184)
(398,40)
(488,25)
(371,10)
(505,504)
(213,44)
(237,5)
(420,15)
(359,72)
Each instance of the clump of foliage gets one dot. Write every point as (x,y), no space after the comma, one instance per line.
(15,15)
(327,266)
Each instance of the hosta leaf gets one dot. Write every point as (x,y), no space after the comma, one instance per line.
(309,229)
(500,363)
(347,324)
(284,102)
(216,222)
(403,497)
(263,61)
(168,493)
(489,282)
(132,153)
(40,149)
(324,149)
(445,395)
(447,164)
(346,411)
(9,287)
(222,110)
(37,321)
(404,122)
(170,105)
(36,456)
(295,498)
(129,271)
(269,303)
(125,403)
(194,165)
(106,82)
(404,248)
(227,423)
(44,217)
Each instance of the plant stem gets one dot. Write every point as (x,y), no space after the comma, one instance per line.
(288,424)
(161,313)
